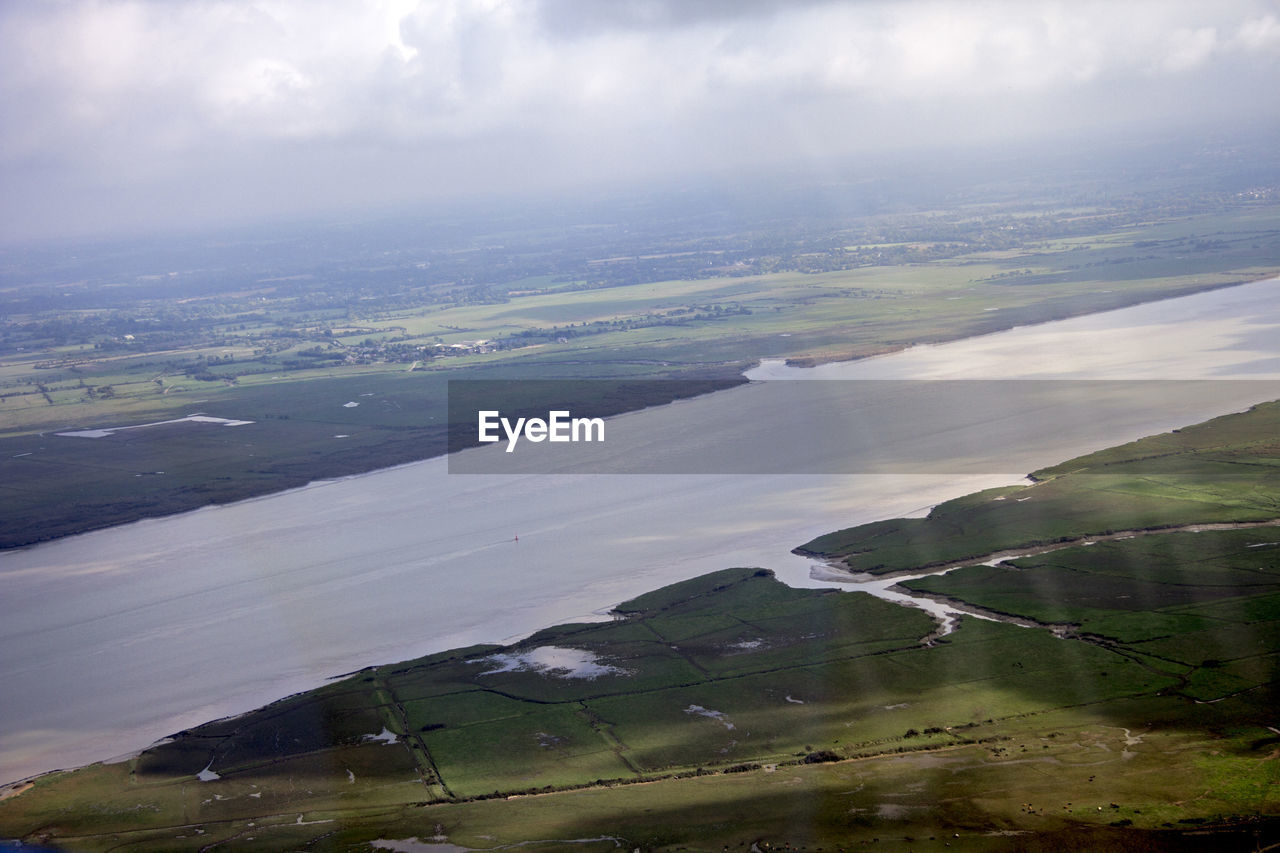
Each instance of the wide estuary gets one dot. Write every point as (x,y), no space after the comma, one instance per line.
(112,639)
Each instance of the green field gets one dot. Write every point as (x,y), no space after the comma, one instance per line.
(730,710)
(1223,471)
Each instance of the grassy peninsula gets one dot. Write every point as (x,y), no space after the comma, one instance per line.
(730,710)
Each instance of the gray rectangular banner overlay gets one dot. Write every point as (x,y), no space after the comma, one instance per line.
(815,426)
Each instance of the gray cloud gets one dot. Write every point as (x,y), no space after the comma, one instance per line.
(126,113)
(576,18)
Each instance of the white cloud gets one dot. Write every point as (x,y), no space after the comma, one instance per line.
(1188,49)
(1260,34)
(138,90)
(449,67)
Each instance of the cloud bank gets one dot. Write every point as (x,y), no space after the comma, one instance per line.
(141,113)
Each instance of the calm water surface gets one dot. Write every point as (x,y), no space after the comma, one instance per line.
(113,639)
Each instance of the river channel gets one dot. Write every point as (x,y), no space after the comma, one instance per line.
(112,639)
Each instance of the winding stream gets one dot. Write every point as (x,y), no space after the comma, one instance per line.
(947,611)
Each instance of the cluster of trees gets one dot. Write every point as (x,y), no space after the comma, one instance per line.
(678,317)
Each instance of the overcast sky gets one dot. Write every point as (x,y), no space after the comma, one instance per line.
(121,115)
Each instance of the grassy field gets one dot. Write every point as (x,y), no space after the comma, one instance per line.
(292,358)
(731,711)
(1222,471)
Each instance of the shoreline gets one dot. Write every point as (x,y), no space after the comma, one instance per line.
(250,702)
(1031,550)
(790,362)
(807,362)
(116,745)
(873,584)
